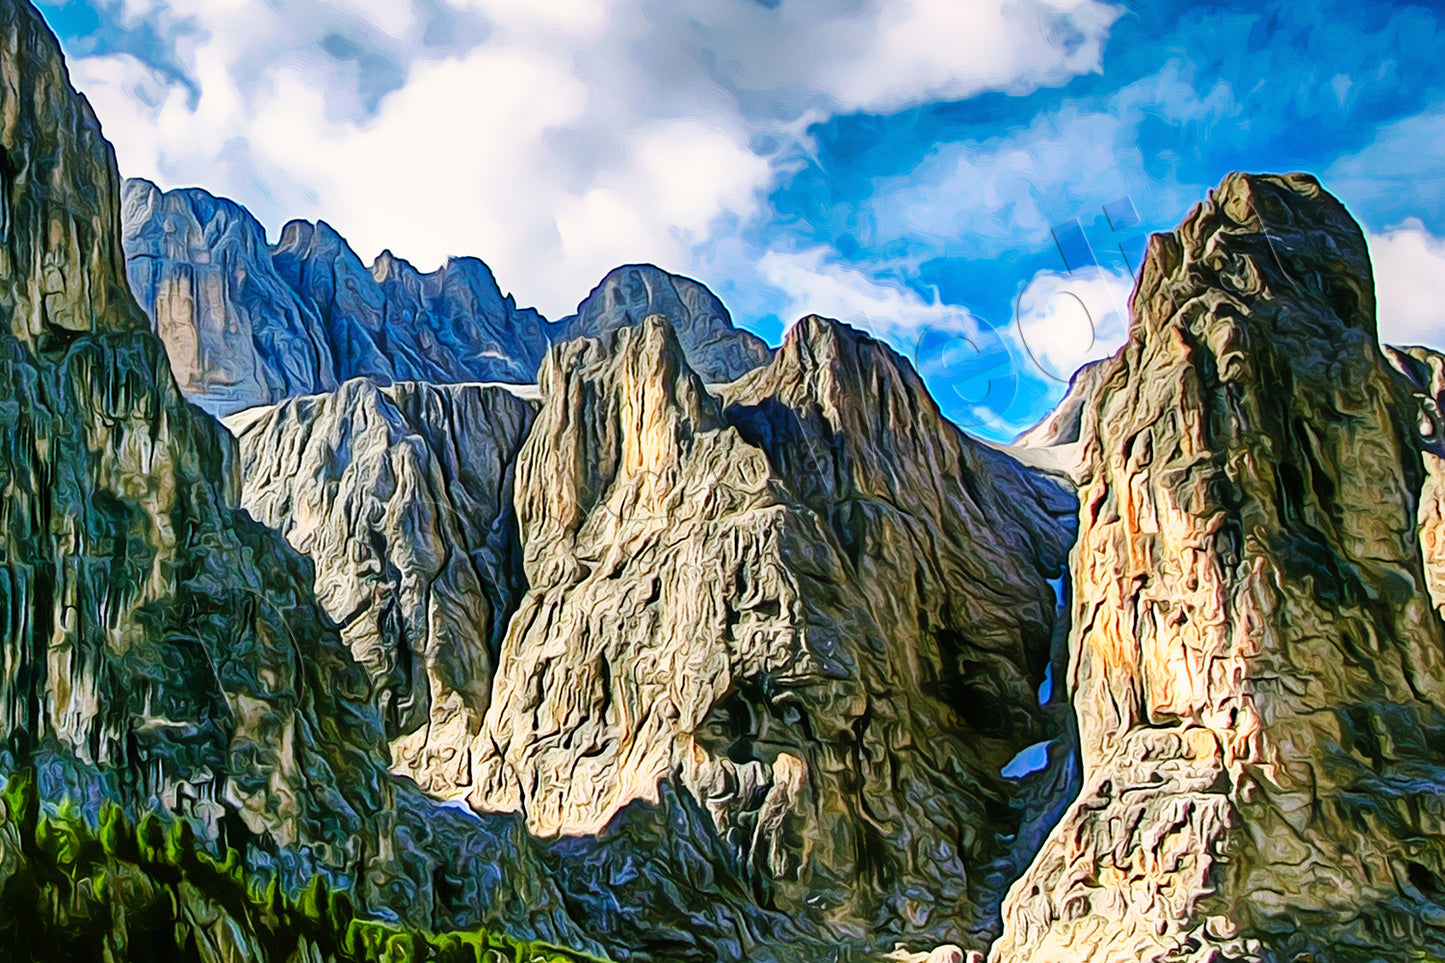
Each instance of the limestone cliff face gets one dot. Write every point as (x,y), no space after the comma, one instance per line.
(245,324)
(392,323)
(157,644)
(715,349)
(402,498)
(1424,371)
(1257,672)
(235,333)
(787,604)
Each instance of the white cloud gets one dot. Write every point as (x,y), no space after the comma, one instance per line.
(1409,266)
(1396,176)
(972,369)
(989,197)
(815,285)
(554,140)
(1068,320)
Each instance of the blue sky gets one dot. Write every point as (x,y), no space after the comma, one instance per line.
(935,171)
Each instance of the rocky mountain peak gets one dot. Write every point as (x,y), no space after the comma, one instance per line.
(388,265)
(746,641)
(1254,664)
(715,348)
(162,649)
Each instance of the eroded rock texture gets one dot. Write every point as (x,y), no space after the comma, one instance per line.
(245,324)
(156,642)
(1255,665)
(235,333)
(402,498)
(390,322)
(807,607)
(715,349)
(1424,371)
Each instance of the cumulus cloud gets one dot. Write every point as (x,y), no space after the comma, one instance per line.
(972,368)
(554,140)
(1068,320)
(985,197)
(1409,266)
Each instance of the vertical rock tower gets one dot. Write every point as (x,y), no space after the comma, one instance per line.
(1257,671)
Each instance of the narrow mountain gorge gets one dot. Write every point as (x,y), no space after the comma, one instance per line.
(630,634)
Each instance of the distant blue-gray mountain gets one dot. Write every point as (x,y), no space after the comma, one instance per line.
(247,324)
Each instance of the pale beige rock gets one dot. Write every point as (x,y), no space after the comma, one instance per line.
(808,603)
(1255,667)
(402,498)
(1424,371)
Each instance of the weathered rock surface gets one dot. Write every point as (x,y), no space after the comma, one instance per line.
(1258,675)
(390,322)
(235,333)
(158,647)
(155,641)
(1424,371)
(715,349)
(402,498)
(807,607)
(245,324)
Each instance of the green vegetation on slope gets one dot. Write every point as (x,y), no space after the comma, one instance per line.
(121,891)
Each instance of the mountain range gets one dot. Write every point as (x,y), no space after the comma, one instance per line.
(356,613)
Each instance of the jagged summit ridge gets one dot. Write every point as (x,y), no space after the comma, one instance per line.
(248,324)
(715,349)
(725,605)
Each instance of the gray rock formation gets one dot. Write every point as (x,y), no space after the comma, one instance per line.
(715,349)
(392,323)
(247,325)
(159,648)
(235,333)
(808,607)
(1257,673)
(402,498)
(157,644)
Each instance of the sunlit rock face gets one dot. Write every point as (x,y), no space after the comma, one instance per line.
(1255,665)
(713,347)
(1424,371)
(156,643)
(807,604)
(402,498)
